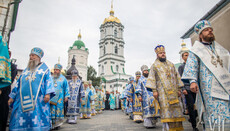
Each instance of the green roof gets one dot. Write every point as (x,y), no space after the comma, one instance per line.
(103,79)
(79,44)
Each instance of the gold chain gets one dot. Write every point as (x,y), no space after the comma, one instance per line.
(214,60)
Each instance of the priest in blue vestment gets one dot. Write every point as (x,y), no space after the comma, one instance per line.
(149,103)
(93,112)
(85,107)
(30,96)
(112,101)
(76,94)
(129,102)
(135,99)
(207,71)
(62,94)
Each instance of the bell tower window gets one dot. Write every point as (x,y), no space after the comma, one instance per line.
(115,33)
(117,68)
(104,50)
(116,50)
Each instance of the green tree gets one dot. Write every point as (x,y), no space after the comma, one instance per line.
(92,75)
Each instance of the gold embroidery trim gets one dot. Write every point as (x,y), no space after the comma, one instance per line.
(156,105)
(163,120)
(176,129)
(137,113)
(174,101)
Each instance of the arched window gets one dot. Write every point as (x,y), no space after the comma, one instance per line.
(81,60)
(115,33)
(102,69)
(116,50)
(104,50)
(117,68)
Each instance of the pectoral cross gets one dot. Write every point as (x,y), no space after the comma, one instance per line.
(27,78)
(220,61)
(33,77)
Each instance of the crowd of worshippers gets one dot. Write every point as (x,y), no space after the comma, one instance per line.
(199,87)
(41,99)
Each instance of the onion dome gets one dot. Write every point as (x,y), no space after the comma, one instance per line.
(111,18)
(78,43)
(184,48)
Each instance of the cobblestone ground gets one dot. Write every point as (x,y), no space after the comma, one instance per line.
(112,121)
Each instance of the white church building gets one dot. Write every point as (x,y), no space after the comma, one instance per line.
(111,64)
(80,53)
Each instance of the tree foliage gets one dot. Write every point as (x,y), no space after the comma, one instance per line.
(92,75)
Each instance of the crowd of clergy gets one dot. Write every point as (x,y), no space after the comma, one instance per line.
(40,100)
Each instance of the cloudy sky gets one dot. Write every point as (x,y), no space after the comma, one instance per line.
(53,25)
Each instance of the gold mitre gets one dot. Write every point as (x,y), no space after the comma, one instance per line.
(159,48)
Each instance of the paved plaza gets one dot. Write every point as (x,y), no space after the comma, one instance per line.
(113,121)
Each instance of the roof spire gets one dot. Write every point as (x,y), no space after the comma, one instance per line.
(79,35)
(59,60)
(73,61)
(183,44)
(111,11)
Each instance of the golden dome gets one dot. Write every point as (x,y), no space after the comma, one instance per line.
(111,12)
(184,49)
(183,44)
(111,19)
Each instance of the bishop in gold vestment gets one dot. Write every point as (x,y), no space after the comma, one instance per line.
(165,83)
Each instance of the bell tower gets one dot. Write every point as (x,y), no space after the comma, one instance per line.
(111,64)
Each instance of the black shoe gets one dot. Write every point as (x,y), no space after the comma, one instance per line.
(138,121)
(195,129)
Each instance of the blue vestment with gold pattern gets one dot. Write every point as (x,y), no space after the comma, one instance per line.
(210,109)
(85,107)
(76,93)
(62,91)
(136,104)
(30,112)
(148,102)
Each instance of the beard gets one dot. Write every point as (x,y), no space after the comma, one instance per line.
(209,38)
(56,75)
(32,64)
(162,59)
(146,74)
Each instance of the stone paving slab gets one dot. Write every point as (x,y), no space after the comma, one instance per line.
(113,121)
